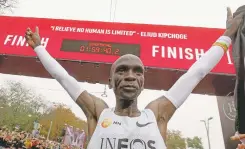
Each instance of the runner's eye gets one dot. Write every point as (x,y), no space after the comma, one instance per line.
(121,69)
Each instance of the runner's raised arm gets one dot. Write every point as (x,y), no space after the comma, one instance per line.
(180,91)
(91,106)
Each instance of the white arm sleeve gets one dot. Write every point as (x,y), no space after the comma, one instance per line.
(69,83)
(179,92)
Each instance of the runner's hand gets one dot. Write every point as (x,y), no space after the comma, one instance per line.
(232,24)
(240,137)
(241,146)
(33,39)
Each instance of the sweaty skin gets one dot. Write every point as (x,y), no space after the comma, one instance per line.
(127,70)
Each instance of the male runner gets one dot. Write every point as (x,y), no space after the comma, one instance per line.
(125,126)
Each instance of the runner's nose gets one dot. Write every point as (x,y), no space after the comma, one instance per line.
(130,76)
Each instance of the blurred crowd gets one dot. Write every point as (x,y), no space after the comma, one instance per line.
(24,140)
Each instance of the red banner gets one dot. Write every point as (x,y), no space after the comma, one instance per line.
(170,47)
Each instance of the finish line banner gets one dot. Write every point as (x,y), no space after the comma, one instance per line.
(169,47)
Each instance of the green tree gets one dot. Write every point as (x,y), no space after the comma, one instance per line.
(195,143)
(20,105)
(175,140)
(60,115)
(7,5)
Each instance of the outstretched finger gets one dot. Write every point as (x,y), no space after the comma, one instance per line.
(229,14)
(37,30)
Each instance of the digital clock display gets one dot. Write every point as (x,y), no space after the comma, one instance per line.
(97,47)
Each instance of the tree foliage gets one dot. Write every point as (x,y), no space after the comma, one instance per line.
(59,116)
(7,5)
(175,140)
(195,143)
(19,105)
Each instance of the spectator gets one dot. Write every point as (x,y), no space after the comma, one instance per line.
(24,140)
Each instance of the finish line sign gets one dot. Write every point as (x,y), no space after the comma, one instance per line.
(168,47)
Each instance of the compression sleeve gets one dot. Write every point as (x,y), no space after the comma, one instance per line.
(69,83)
(179,92)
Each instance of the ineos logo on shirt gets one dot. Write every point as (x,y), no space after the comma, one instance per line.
(125,143)
(143,125)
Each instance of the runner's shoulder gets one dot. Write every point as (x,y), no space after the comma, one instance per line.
(99,100)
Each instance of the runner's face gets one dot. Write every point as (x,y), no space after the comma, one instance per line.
(127,77)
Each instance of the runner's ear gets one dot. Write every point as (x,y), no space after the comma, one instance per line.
(110,83)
